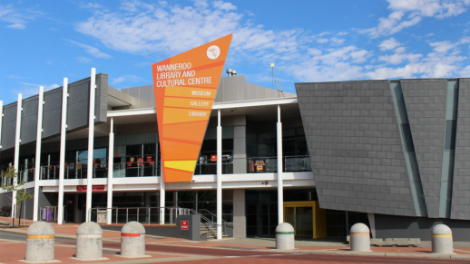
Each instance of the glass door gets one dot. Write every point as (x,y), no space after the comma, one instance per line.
(301,218)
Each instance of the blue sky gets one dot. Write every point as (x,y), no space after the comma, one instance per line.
(41,42)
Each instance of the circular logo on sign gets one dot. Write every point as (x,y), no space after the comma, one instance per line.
(213,52)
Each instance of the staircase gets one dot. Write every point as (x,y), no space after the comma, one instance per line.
(209,231)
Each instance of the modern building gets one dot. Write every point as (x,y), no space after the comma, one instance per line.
(391,154)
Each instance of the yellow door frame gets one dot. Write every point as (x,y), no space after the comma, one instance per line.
(318,216)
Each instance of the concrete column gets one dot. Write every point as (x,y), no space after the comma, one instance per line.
(110,170)
(162,197)
(63,134)
(17,149)
(239,215)
(280,196)
(219,177)
(37,159)
(91,134)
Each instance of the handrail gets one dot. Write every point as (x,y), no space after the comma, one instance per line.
(211,213)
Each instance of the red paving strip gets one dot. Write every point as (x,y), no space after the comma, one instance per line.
(196,250)
(12,252)
(320,259)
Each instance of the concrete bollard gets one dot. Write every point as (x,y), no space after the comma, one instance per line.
(285,236)
(441,239)
(133,240)
(40,243)
(89,242)
(359,238)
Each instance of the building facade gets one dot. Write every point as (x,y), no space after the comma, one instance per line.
(391,154)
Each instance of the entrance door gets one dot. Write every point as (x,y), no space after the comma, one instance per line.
(301,218)
(266,219)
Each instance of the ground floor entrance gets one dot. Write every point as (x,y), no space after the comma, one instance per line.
(301,210)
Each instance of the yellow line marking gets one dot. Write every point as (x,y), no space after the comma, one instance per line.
(359,234)
(442,235)
(39,236)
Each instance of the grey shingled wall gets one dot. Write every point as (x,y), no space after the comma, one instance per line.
(29,120)
(461,190)
(426,106)
(9,126)
(355,147)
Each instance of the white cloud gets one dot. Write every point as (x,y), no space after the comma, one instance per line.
(83,60)
(465,72)
(127,78)
(407,13)
(165,30)
(389,44)
(29,89)
(175,28)
(335,64)
(92,50)
(17,19)
(442,46)
(11,76)
(442,62)
(400,57)
(337,40)
(224,6)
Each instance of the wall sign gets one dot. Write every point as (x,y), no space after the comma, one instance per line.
(185,87)
(83,188)
(184,225)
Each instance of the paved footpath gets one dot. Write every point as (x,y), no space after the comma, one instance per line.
(165,250)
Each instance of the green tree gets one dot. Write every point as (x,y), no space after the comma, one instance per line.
(21,194)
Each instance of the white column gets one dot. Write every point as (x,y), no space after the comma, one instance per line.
(280,196)
(91,134)
(17,149)
(63,133)
(110,170)
(37,159)
(219,177)
(162,195)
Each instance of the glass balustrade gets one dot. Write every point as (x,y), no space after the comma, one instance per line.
(139,167)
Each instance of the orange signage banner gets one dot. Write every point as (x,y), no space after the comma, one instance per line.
(185,87)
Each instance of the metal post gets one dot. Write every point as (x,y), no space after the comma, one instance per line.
(63,133)
(127,215)
(162,196)
(149,215)
(280,198)
(17,147)
(137,214)
(110,170)
(219,177)
(91,134)
(117,209)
